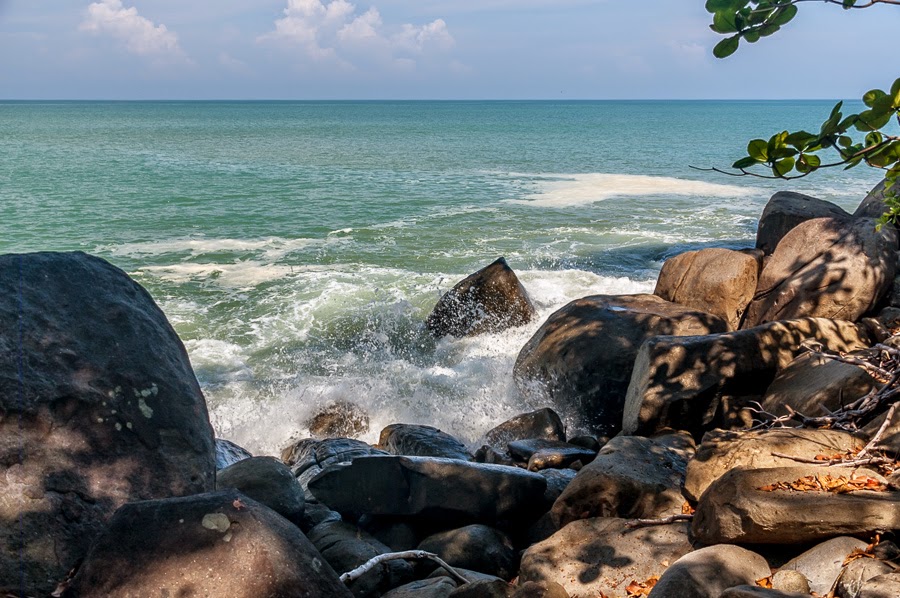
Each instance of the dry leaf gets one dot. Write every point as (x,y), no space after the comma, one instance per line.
(765,582)
(687,509)
(827,483)
(636,589)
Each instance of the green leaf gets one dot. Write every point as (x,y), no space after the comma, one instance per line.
(784,15)
(836,109)
(768,29)
(723,22)
(870,96)
(801,139)
(782,167)
(849,3)
(874,138)
(752,35)
(870,120)
(726,47)
(844,141)
(745,163)
(895,93)
(813,160)
(758,149)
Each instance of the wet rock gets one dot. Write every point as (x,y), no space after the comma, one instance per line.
(490,300)
(542,423)
(740,507)
(543,454)
(785,211)
(99,407)
(716,281)
(438,587)
(581,358)
(487,454)
(346,547)
(228,453)
(589,442)
(857,573)
(828,268)
(477,547)
(457,491)
(341,419)
(422,441)
(540,589)
(308,457)
(601,556)
(708,572)
(721,451)
(483,588)
(215,544)
(682,382)
(268,481)
(631,477)
(315,513)
(822,564)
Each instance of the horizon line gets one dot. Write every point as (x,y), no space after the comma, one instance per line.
(547,99)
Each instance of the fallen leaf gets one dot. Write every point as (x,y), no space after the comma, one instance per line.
(636,589)
(237,504)
(765,582)
(687,509)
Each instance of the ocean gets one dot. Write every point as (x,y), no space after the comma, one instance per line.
(297,247)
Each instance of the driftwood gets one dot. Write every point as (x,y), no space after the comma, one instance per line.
(355,574)
(662,521)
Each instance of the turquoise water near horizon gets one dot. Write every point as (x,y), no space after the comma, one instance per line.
(298,246)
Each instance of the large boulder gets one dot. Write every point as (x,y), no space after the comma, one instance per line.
(490,300)
(826,267)
(543,423)
(683,382)
(215,544)
(581,358)
(722,450)
(416,440)
(708,572)
(99,406)
(785,211)
(268,481)
(822,564)
(873,204)
(631,477)
(476,547)
(602,556)
(716,281)
(309,457)
(431,487)
(229,453)
(787,505)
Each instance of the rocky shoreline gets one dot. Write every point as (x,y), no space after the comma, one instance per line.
(734,436)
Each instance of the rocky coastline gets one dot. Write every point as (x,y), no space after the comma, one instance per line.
(734,436)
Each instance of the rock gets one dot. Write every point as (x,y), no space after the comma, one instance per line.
(715,281)
(857,573)
(308,457)
(228,453)
(557,481)
(268,481)
(785,211)
(476,547)
(437,587)
(789,580)
(722,451)
(890,438)
(490,300)
(341,419)
(601,556)
(469,574)
(397,533)
(422,441)
(827,268)
(543,454)
(346,547)
(540,589)
(581,358)
(99,406)
(315,513)
(873,205)
(483,588)
(883,586)
(589,442)
(822,563)
(810,382)
(458,491)
(708,572)
(682,382)
(753,591)
(215,544)
(487,454)
(543,423)
(738,508)
(631,477)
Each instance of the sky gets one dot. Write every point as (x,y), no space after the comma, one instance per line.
(429,49)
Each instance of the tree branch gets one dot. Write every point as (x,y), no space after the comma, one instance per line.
(355,574)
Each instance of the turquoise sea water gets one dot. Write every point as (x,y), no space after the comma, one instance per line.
(297,247)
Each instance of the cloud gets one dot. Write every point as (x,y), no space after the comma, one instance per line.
(333,29)
(138,34)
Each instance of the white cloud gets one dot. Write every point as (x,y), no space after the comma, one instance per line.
(139,34)
(334,29)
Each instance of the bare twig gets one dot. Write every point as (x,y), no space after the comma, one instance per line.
(871,368)
(881,430)
(854,462)
(355,574)
(663,521)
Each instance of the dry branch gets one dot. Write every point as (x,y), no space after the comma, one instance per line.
(355,574)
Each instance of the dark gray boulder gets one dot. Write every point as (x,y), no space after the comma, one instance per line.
(477,547)
(581,358)
(229,453)
(214,544)
(542,423)
(490,300)
(99,406)
(416,440)
(268,481)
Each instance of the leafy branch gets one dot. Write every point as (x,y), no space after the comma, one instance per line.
(792,155)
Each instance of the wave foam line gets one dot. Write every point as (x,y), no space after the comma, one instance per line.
(570,190)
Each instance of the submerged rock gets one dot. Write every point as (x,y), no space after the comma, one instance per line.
(341,419)
(581,358)
(229,453)
(490,300)
(99,407)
